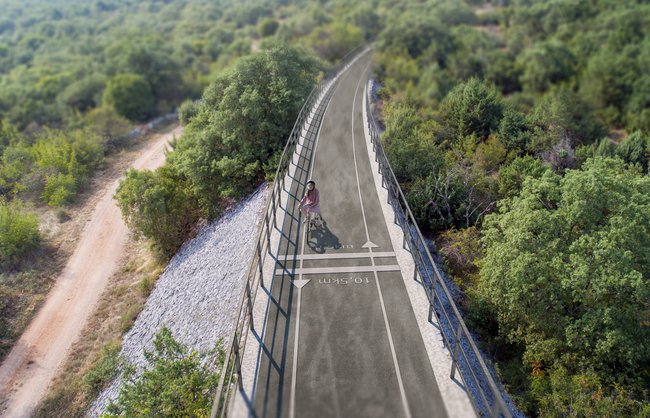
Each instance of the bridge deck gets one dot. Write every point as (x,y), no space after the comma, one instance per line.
(340,335)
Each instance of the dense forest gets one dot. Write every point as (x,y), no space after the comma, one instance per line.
(518,129)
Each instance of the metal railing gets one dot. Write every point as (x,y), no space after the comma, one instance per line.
(231,370)
(483,392)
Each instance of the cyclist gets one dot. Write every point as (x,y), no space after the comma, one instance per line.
(310,202)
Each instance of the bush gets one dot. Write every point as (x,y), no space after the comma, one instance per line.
(267,27)
(333,41)
(561,393)
(109,125)
(130,95)
(158,206)
(472,107)
(60,189)
(187,110)
(103,371)
(178,382)
(19,233)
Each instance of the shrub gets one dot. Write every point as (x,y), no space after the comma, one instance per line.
(130,95)
(267,27)
(187,110)
(103,371)
(19,233)
(158,206)
(178,382)
(472,107)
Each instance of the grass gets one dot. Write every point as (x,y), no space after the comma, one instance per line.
(94,359)
(22,292)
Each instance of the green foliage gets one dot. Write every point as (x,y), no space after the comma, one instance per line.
(187,111)
(19,233)
(65,160)
(561,394)
(158,206)
(177,382)
(83,94)
(243,119)
(333,41)
(461,250)
(60,189)
(130,95)
(515,130)
(567,265)
(267,27)
(545,64)
(103,371)
(409,143)
(472,107)
(635,149)
(511,176)
(110,126)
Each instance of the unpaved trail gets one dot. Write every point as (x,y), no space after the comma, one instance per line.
(33,362)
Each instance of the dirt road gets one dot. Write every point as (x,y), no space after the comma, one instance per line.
(32,364)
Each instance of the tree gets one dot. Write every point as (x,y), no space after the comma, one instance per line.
(83,94)
(333,41)
(177,383)
(511,176)
(130,95)
(243,119)
(472,107)
(159,206)
(409,143)
(567,268)
(187,110)
(635,149)
(111,127)
(545,64)
(267,27)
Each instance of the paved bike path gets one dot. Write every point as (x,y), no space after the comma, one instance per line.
(340,335)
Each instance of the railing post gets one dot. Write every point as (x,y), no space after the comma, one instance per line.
(260,265)
(251,322)
(455,354)
(237,368)
(275,222)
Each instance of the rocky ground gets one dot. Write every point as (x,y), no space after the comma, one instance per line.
(197,295)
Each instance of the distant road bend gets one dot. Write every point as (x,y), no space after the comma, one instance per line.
(335,332)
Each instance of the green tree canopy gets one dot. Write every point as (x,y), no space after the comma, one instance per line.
(130,95)
(158,205)
(567,268)
(472,107)
(243,119)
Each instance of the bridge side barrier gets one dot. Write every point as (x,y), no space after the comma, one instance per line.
(230,377)
(484,394)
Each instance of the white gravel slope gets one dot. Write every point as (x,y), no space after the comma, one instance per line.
(198,293)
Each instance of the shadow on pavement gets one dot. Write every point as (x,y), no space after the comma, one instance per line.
(321,239)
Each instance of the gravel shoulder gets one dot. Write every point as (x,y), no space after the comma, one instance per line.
(197,295)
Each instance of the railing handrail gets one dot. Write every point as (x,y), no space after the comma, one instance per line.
(249,290)
(372,125)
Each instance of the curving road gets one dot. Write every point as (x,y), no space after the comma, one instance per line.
(340,336)
(33,362)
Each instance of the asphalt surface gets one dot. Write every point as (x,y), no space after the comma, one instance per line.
(340,336)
